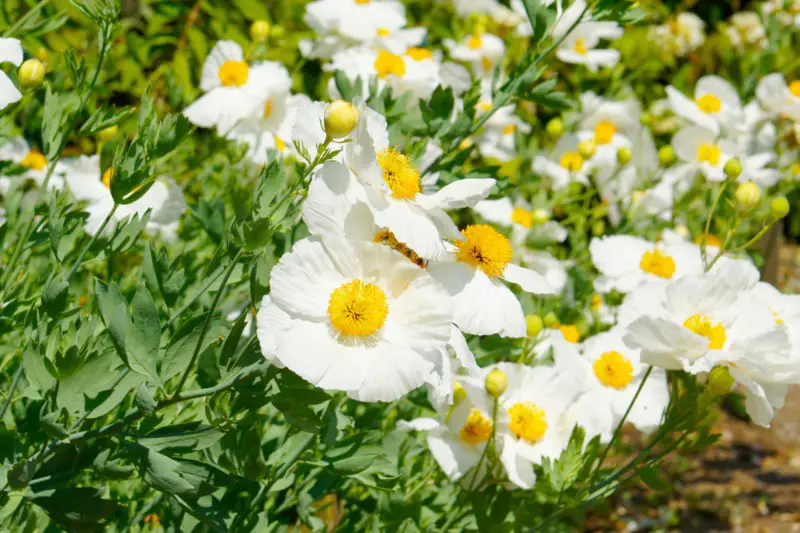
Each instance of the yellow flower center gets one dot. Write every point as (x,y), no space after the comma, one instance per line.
(477,428)
(509,129)
(388,238)
(484,248)
(475,41)
(485,105)
(280,145)
(613,370)
(528,421)
(570,332)
(597,302)
(418,54)
(657,263)
(708,103)
(604,131)
(267,108)
(794,88)
(702,325)
(778,319)
(580,47)
(708,153)
(35,160)
(389,63)
(523,217)
(486,63)
(399,174)
(358,309)
(107,177)
(362,2)
(233,73)
(572,161)
(383,32)
(709,239)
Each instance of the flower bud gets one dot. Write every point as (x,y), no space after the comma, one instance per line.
(540,216)
(31,73)
(598,228)
(458,393)
(779,207)
(624,155)
(748,196)
(109,133)
(550,319)
(496,383)
(586,149)
(259,30)
(666,155)
(733,168)
(535,325)
(555,128)
(341,118)
(720,380)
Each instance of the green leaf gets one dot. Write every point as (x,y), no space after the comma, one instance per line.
(114,312)
(35,370)
(57,109)
(143,335)
(111,469)
(298,414)
(55,294)
(181,346)
(104,118)
(159,471)
(651,476)
(81,509)
(181,438)
(144,400)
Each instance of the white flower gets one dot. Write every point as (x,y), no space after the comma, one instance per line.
(680,35)
(716,104)
(472,273)
(356,317)
(626,262)
(20,152)
(564,164)
(579,47)
(701,152)
(10,52)
(612,373)
(776,97)
(164,198)
(234,90)
(522,218)
(746,29)
(483,51)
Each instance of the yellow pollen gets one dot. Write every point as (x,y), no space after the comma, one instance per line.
(657,263)
(267,108)
(388,238)
(572,161)
(508,130)
(702,325)
(597,302)
(794,88)
(466,143)
(107,177)
(613,370)
(580,47)
(528,421)
(708,103)
(571,333)
(484,248)
(152,521)
(778,319)
(604,131)
(35,160)
(418,54)
(280,145)
(708,153)
(233,73)
(709,239)
(358,309)
(475,41)
(523,217)
(486,63)
(389,63)
(485,105)
(362,1)
(399,174)
(477,429)
(383,32)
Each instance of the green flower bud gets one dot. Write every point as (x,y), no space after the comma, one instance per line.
(31,73)
(748,196)
(496,383)
(540,216)
(555,128)
(550,319)
(535,325)
(624,155)
(341,118)
(720,380)
(458,393)
(598,228)
(109,133)
(733,168)
(586,149)
(259,30)
(779,207)
(666,155)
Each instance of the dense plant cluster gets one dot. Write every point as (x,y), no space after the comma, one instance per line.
(372,265)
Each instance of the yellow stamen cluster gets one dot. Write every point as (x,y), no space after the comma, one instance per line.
(570,333)
(702,325)
(484,248)
(477,429)
(708,103)
(358,309)
(107,177)
(233,73)
(709,153)
(419,54)
(399,174)
(580,47)
(267,108)
(613,370)
(383,32)
(388,63)
(523,217)
(604,131)
(657,263)
(475,41)
(794,88)
(528,421)
(34,160)
(571,161)
(387,237)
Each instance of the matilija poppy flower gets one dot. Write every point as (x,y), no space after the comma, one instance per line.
(20,152)
(356,317)
(716,104)
(10,52)
(579,46)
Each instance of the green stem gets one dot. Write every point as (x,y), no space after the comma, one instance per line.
(708,223)
(91,242)
(489,444)
(194,298)
(11,391)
